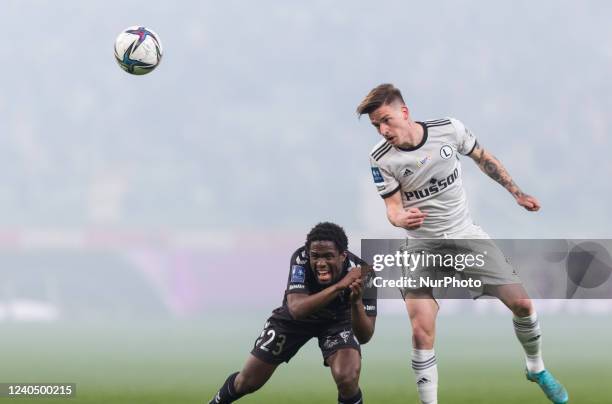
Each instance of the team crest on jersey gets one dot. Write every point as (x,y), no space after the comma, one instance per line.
(423,161)
(378,178)
(446,152)
(407,172)
(298,274)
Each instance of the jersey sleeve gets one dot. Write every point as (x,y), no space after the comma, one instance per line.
(370,302)
(466,141)
(385,182)
(296,281)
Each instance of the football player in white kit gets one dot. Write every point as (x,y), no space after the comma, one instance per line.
(417,172)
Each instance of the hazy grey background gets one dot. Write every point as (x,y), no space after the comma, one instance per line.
(219,161)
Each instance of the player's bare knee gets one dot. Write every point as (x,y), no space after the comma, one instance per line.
(422,337)
(347,379)
(245,383)
(522,307)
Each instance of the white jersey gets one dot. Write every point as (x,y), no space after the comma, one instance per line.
(428,176)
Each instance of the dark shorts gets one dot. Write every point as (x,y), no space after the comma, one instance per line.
(280,340)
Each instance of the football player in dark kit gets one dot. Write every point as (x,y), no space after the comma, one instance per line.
(323,299)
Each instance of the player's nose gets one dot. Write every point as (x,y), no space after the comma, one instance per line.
(383,129)
(320,263)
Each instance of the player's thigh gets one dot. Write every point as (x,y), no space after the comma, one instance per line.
(254,374)
(279,341)
(514,296)
(421,306)
(345,365)
(422,310)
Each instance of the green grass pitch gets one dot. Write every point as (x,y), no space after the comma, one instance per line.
(479,361)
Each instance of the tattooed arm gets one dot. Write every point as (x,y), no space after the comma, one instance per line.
(491,166)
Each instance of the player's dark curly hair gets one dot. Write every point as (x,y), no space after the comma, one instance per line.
(327,231)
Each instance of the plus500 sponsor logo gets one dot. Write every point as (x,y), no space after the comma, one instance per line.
(434,188)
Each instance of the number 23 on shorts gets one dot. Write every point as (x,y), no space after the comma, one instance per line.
(270,341)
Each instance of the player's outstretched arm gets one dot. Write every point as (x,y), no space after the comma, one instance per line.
(399,217)
(491,166)
(302,305)
(363,325)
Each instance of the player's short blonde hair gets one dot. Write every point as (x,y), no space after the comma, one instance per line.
(383,94)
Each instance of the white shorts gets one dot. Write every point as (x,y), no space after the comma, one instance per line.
(469,255)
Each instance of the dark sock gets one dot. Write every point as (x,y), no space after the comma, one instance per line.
(356,399)
(226,393)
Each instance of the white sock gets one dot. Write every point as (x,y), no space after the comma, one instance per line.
(528,332)
(426,375)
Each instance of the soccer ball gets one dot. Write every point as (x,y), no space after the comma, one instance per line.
(138,50)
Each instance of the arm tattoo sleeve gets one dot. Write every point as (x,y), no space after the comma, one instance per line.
(491,166)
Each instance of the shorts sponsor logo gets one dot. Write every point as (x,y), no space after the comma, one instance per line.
(330,342)
(376,174)
(297,286)
(298,274)
(407,172)
(333,340)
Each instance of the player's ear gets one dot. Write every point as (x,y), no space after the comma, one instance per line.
(405,112)
(344,255)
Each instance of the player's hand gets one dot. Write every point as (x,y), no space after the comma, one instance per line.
(528,202)
(351,277)
(411,219)
(356,290)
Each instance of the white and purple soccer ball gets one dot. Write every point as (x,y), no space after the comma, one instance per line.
(138,50)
